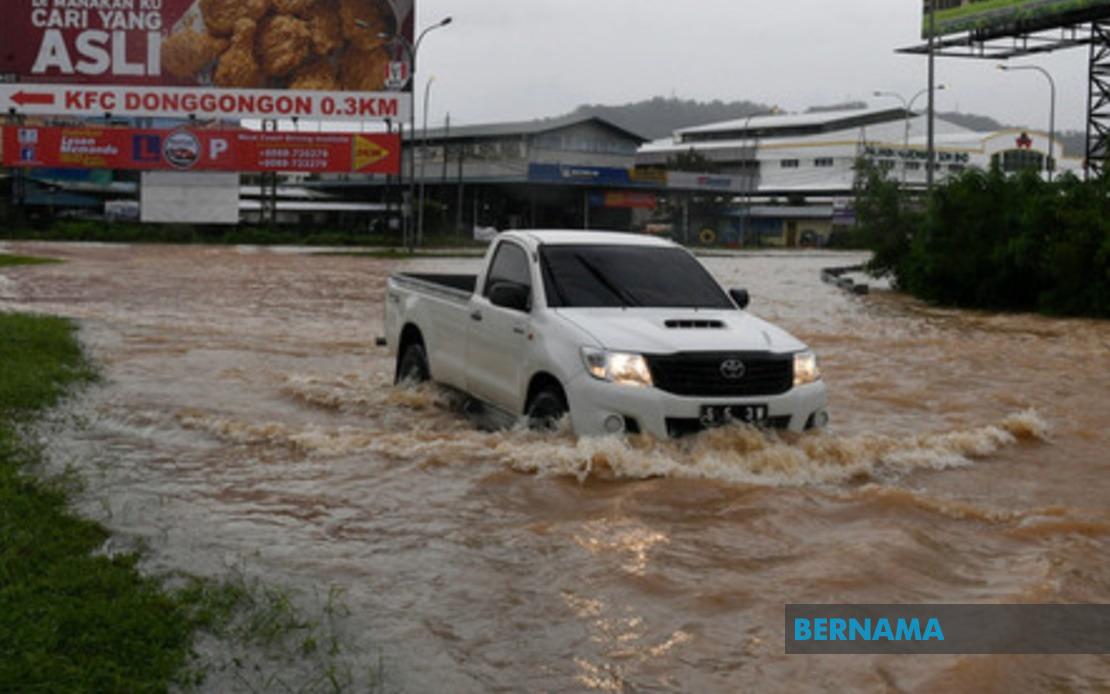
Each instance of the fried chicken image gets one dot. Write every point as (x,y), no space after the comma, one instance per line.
(316,76)
(323,21)
(363,71)
(238,67)
(300,8)
(187,52)
(220,16)
(375,14)
(283,44)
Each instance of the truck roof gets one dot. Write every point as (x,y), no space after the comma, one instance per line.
(553,237)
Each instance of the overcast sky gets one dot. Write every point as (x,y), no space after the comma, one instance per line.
(521,59)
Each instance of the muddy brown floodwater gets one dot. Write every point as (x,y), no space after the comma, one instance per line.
(247,420)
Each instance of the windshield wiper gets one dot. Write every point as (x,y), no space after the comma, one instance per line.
(625,298)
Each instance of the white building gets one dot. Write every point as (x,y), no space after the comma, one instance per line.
(794,175)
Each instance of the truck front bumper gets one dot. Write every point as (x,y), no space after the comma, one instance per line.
(597,407)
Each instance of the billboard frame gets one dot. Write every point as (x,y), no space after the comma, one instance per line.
(1090,28)
(1016,45)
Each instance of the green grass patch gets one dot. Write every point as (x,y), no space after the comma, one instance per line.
(70,621)
(75,620)
(14,260)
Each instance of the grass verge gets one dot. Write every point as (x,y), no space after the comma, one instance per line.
(75,620)
(69,620)
(14,260)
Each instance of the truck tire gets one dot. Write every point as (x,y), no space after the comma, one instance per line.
(412,366)
(547,406)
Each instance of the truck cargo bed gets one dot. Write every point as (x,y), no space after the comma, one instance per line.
(460,282)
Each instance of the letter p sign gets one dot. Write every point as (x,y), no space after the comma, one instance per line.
(217,147)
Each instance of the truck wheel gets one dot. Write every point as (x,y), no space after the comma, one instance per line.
(547,407)
(412,367)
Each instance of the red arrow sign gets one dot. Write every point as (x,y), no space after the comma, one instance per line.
(24,98)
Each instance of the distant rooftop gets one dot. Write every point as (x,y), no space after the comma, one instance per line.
(793,124)
(533,127)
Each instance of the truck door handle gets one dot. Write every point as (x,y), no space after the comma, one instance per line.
(477,315)
(518,330)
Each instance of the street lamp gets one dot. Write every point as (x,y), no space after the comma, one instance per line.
(1049,161)
(412,49)
(424,162)
(932,92)
(907,107)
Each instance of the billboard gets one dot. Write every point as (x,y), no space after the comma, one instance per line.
(319,59)
(997,17)
(199,150)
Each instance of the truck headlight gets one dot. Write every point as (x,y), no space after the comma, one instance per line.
(617,367)
(806,369)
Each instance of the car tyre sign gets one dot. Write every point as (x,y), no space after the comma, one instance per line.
(181,149)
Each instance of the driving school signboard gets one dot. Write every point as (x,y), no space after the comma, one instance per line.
(320,59)
(199,150)
(998,16)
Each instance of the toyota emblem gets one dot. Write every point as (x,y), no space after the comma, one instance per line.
(733,369)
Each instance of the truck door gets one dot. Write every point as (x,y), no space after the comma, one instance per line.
(496,335)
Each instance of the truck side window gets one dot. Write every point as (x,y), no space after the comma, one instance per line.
(510,264)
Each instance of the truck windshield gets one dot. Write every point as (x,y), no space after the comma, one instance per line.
(627,276)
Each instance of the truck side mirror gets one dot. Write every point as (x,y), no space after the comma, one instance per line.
(510,295)
(740,296)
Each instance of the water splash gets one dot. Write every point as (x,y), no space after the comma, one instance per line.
(736,454)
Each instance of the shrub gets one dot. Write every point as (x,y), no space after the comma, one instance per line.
(992,240)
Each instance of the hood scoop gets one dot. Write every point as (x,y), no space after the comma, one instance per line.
(694,324)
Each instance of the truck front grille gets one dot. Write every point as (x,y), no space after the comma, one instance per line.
(703,373)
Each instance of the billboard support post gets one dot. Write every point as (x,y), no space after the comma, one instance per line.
(1098,102)
(1023,28)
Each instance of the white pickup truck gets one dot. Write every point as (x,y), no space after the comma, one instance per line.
(624,333)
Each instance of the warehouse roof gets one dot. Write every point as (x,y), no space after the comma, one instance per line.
(533,127)
(790,124)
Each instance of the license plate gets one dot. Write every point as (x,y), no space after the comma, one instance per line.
(716,415)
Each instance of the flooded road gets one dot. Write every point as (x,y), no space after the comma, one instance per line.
(246,420)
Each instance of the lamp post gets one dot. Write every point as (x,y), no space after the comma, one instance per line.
(423,164)
(413,50)
(932,91)
(907,106)
(1050,160)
